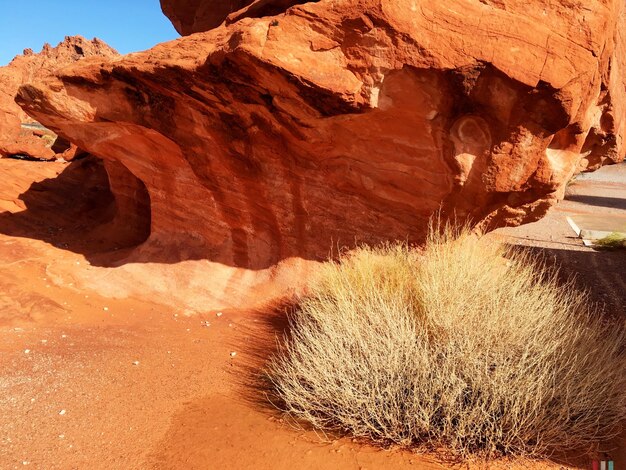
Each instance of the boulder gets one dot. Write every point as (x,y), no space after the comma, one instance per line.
(30,140)
(72,152)
(191,16)
(336,123)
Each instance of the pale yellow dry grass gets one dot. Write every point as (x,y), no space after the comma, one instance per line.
(464,345)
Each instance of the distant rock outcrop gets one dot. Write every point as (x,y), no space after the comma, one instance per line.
(334,123)
(32,140)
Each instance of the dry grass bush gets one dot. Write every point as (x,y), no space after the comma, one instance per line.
(613,240)
(464,346)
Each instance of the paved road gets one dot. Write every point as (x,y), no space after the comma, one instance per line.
(609,174)
(30,125)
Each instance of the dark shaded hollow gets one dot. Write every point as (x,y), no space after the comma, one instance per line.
(78,211)
(60,145)
(28,158)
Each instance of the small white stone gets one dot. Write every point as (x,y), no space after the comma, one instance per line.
(44,341)
(106,309)
(233,354)
(63,336)
(135,363)
(62,412)
(26,351)
(219,314)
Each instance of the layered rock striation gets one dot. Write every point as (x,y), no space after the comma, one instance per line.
(289,131)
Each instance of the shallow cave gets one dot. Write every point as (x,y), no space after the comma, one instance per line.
(92,207)
(131,217)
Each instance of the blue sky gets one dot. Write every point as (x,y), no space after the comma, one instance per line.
(128,25)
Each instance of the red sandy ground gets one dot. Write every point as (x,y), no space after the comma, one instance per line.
(95,383)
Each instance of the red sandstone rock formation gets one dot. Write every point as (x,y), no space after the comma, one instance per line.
(191,16)
(27,68)
(335,123)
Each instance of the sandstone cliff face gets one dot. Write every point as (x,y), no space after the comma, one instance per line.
(335,123)
(15,140)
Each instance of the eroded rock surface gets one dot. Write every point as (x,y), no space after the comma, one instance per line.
(191,16)
(31,140)
(335,123)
